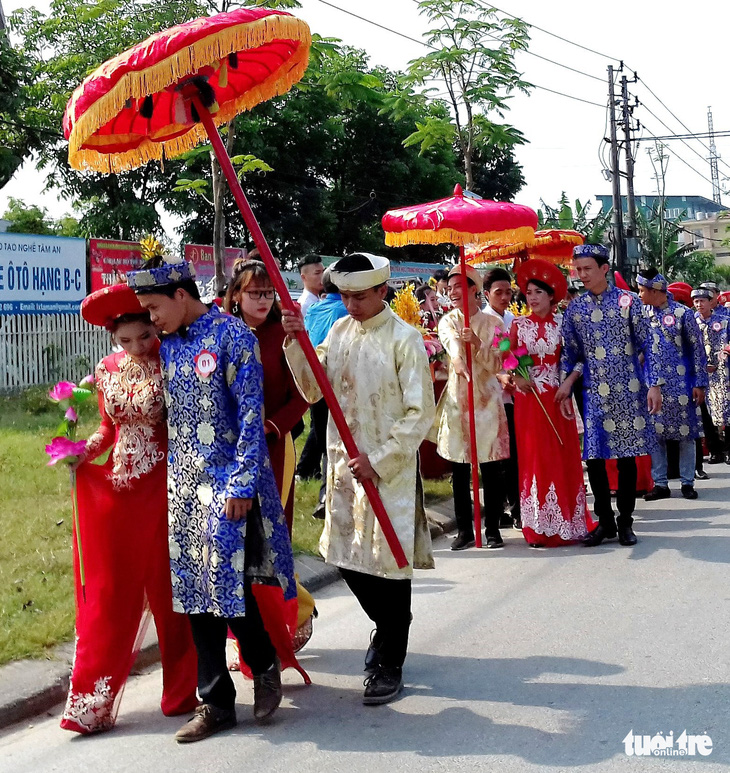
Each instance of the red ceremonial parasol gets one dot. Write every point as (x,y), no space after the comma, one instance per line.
(462,220)
(553,245)
(163,96)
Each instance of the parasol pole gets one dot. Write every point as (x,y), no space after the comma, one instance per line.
(280,286)
(472,419)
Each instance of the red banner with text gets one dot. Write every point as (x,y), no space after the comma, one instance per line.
(201,256)
(110,261)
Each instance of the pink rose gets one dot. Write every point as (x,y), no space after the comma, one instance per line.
(62,391)
(61,448)
(510,362)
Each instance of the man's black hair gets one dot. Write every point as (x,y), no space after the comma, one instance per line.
(441,274)
(350,264)
(309,260)
(327,284)
(169,290)
(495,275)
(648,273)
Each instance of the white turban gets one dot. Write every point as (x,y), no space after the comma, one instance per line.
(357,281)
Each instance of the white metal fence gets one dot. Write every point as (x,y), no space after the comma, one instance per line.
(44,348)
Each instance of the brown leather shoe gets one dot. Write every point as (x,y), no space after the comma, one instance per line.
(267,692)
(207,720)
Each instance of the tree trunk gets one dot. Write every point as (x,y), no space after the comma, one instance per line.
(219,218)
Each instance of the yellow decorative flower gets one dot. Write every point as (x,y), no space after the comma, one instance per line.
(406,306)
(151,247)
(519,309)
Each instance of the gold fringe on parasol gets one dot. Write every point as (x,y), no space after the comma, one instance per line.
(450,236)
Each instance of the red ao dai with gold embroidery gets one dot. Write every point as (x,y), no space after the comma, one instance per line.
(552,493)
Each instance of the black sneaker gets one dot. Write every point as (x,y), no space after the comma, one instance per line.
(517,523)
(494,541)
(701,475)
(658,492)
(383,686)
(716,459)
(688,492)
(462,542)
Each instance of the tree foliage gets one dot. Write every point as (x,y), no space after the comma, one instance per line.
(472,58)
(59,49)
(32,219)
(575,218)
(321,164)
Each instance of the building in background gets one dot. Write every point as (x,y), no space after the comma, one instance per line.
(705,223)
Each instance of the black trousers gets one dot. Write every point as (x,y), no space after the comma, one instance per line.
(625,499)
(493,486)
(511,472)
(712,435)
(313,458)
(215,685)
(388,604)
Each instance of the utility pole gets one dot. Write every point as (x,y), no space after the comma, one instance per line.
(713,159)
(632,242)
(619,251)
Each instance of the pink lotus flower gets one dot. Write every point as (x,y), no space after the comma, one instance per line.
(71,415)
(499,335)
(511,362)
(62,391)
(87,380)
(521,351)
(61,448)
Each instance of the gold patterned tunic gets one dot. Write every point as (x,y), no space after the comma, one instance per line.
(380,375)
(451,429)
(132,406)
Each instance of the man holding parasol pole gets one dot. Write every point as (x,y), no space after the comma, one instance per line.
(379,368)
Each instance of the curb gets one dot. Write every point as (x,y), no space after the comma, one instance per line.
(31,687)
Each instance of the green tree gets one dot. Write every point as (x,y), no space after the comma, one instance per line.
(474,46)
(32,219)
(338,162)
(661,244)
(59,49)
(574,218)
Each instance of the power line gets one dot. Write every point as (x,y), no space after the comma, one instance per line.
(684,142)
(674,153)
(680,121)
(434,48)
(560,37)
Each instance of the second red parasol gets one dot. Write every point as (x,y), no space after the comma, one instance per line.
(462,220)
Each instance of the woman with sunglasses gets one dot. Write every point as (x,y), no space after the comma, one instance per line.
(252,298)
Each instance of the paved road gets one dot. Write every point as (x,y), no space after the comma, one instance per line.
(520,660)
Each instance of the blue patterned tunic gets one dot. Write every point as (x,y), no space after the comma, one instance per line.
(680,350)
(716,335)
(606,332)
(217,450)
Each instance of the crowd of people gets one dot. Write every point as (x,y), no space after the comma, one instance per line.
(192,511)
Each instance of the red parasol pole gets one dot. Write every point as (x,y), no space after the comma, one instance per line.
(280,286)
(472,419)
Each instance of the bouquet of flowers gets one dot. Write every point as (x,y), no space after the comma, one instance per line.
(520,362)
(65,448)
(406,306)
